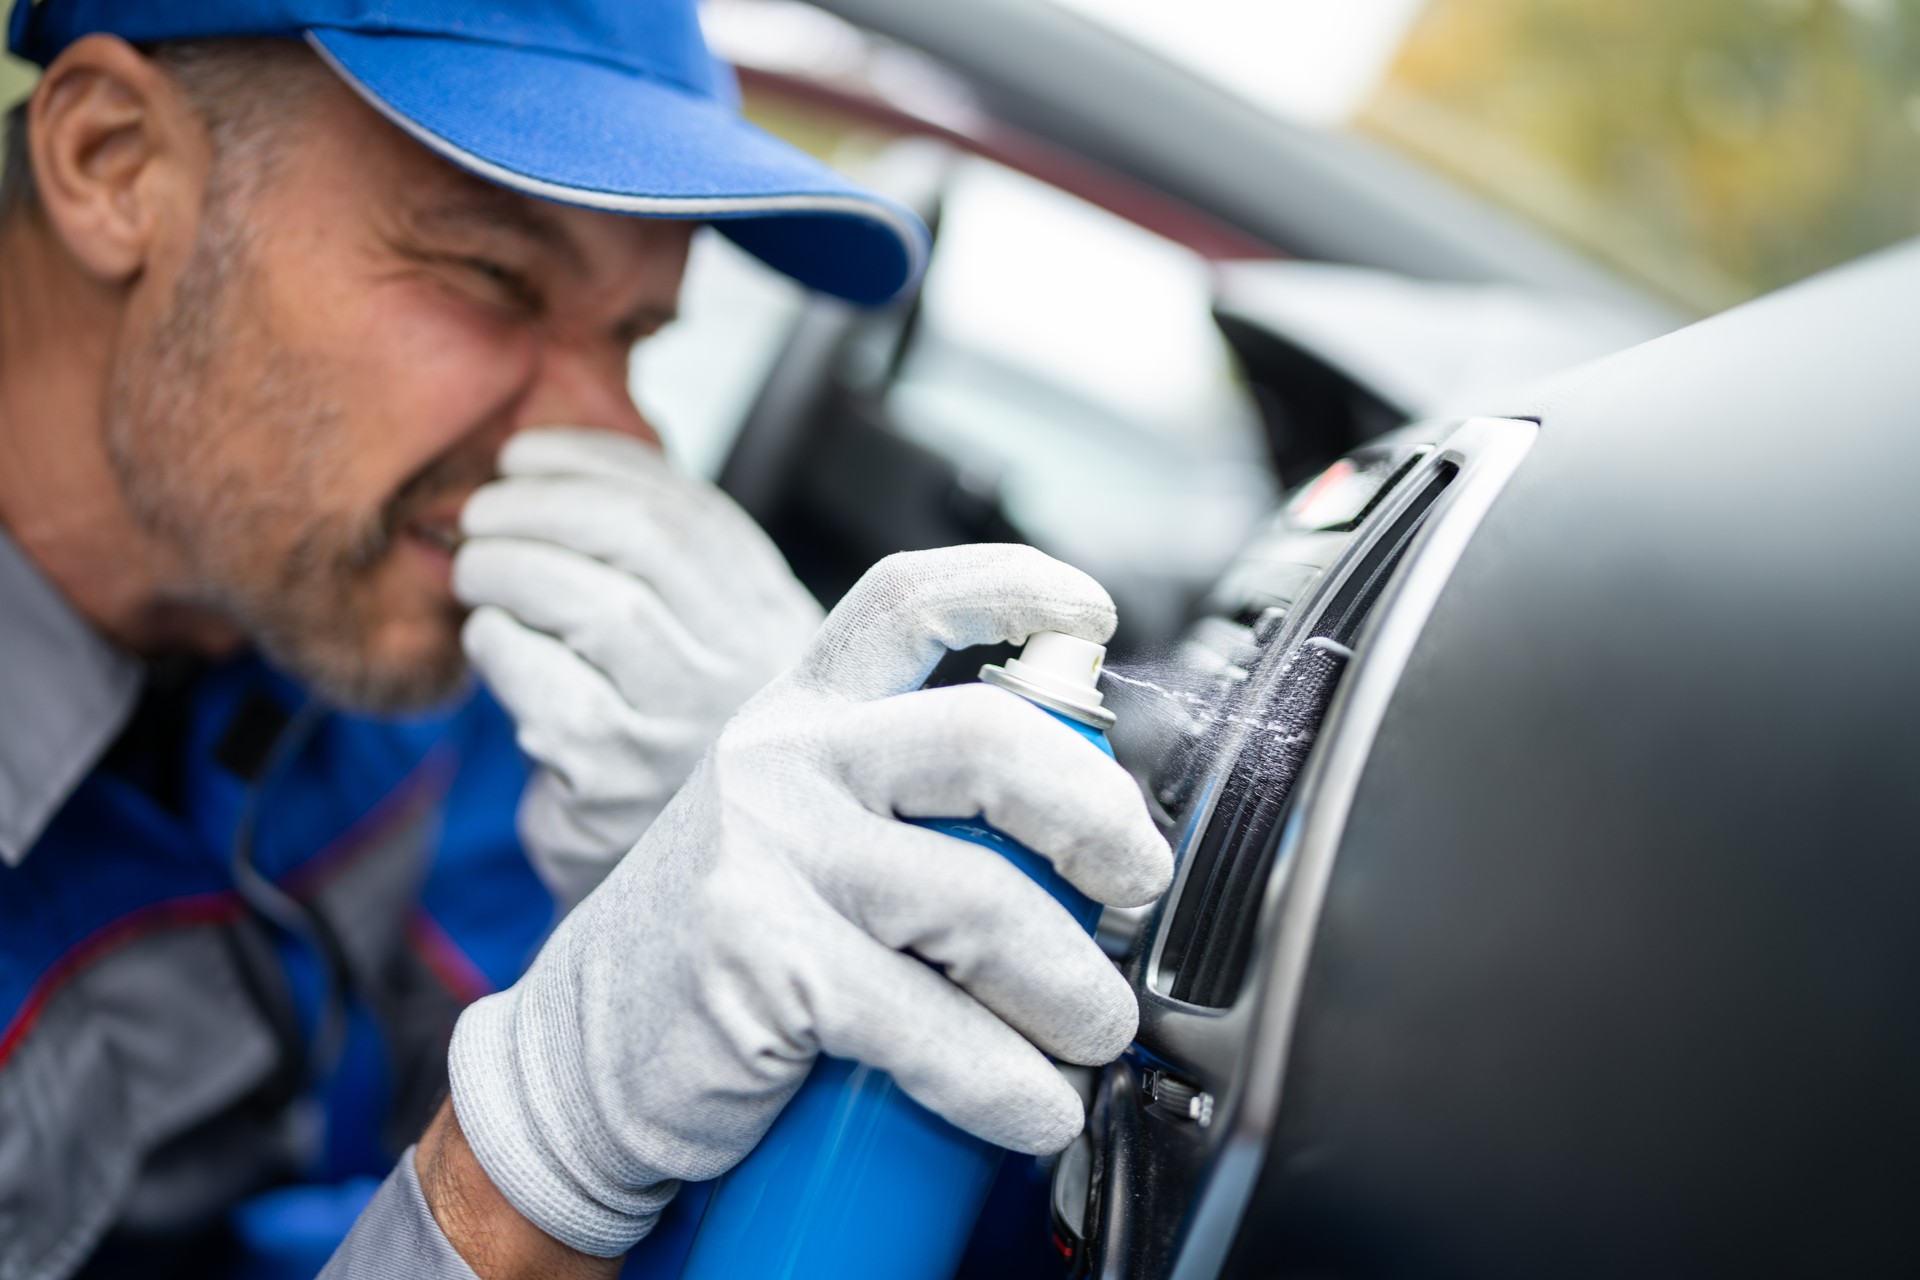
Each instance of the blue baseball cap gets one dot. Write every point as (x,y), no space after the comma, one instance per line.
(608,104)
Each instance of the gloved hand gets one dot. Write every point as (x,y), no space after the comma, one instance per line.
(623,612)
(779,909)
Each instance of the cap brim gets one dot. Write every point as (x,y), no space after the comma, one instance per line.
(592,134)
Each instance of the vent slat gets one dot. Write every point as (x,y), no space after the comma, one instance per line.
(1210,934)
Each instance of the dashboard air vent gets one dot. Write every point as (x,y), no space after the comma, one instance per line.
(1210,936)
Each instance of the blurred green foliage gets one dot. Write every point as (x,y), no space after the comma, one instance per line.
(16,76)
(1714,148)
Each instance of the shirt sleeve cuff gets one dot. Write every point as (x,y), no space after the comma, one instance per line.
(396,1237)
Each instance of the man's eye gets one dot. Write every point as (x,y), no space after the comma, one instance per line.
(508,281)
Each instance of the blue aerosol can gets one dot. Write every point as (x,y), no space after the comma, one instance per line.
(855,1180)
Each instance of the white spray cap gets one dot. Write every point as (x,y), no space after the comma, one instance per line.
(1060,672)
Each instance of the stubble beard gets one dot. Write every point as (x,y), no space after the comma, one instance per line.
(251,513)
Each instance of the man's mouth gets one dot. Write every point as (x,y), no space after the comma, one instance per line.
(426,509)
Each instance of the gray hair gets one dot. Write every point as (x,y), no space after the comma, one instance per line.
(247,91)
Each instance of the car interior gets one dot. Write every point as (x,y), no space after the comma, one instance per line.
(1530,742)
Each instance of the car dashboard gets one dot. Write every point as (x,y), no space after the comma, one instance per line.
(1302,639)
(1541,791)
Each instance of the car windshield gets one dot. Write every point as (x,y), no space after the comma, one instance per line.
(1714,149)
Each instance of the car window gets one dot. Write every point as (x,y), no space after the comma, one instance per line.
(697,378)
(1714,149)
(1069,358)
(1064,358)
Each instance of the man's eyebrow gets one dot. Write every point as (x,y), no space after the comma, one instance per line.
(491,209)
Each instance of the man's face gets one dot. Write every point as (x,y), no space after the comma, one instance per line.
(338,363)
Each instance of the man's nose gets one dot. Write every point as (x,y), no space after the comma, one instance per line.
(576,388)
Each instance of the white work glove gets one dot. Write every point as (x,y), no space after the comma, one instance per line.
(623,611)
(779,909)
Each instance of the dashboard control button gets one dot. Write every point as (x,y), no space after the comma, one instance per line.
(1169,1095)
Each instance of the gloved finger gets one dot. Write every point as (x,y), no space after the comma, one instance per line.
(567,715)
(887,633)
(574,841)
(974,749)
(633,466)
(671,500)
(948,1052)
(603,522)
(996,934)
(585,451)
(615,621)
(618,500)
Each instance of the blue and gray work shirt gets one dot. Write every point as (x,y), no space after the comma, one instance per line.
(204,1069)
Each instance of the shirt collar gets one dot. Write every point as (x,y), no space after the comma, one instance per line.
(65,691)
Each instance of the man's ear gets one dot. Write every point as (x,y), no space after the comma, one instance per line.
(120,157)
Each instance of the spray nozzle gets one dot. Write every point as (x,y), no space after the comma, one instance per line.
(1059,672)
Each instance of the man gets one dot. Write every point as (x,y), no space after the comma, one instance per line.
(313,351)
